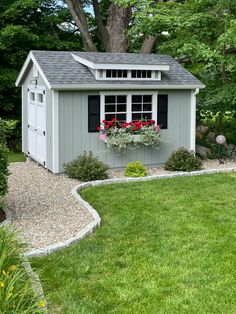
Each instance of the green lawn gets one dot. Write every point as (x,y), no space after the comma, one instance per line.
(165,246)
(16,157)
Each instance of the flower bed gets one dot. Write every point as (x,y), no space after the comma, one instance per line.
(131,135)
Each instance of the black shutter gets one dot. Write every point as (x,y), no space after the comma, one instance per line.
(93,112)
(162,111)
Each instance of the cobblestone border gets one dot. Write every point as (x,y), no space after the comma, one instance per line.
(97,220)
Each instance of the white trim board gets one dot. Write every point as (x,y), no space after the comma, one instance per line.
(55,132)
(123,87)
(30,58)
(120,66)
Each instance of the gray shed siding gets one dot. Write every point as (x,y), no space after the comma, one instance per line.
(74,138)
(40,82)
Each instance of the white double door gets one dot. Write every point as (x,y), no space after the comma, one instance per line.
(37,124)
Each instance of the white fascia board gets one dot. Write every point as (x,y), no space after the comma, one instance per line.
(84,61)
(124,66)
(31,58)
(122,87)
(120,66)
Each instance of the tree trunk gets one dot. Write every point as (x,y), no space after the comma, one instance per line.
(79,17)
(148,44)
(117,27)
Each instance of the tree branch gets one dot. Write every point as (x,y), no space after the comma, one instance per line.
(148,44)
(230,51)
(103,33)
(79,17)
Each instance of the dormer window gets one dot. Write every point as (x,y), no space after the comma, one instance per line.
(141,74)
(116,73)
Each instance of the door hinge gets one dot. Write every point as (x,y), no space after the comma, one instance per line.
(28,89)
(44,92)
(44,163)
(44,133)
(28,126)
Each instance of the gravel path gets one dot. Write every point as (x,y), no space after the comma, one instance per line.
(43,208)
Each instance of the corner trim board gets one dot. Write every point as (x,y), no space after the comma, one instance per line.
(55,132)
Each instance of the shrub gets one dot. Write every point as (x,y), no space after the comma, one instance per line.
(3,160)
(16,293)
(86,167)
(183,160)
(135,169)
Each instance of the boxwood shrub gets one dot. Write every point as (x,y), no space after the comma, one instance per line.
(86,167)
(135,169)
(183,160)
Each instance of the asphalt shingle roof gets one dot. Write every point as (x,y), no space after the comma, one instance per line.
(60,68)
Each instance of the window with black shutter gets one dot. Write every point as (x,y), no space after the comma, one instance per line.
(93,113)
(162,111)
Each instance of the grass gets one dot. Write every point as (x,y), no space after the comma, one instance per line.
(165,246)
(16,157)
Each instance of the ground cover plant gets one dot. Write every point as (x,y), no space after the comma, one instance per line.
(16,293)
(164,246)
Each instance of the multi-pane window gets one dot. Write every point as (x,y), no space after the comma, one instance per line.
(141,74)
(116,107)
(141,107)
(116,73)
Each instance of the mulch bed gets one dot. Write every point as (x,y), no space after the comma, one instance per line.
(2,215)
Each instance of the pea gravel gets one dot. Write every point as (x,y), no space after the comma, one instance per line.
(43,208)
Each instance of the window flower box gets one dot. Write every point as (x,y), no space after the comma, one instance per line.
(120,137)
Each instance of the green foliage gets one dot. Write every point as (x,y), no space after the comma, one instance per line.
(86,167)
(135,169)
(3,161)
(183,160)
(16,293)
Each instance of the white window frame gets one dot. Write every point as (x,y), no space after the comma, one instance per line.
(129,102)
(101,75)
(115,112)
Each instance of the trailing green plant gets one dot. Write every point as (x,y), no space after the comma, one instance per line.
(130,135)
(16,293)
(183,160)
(135,169)
(86,167)
(3,161)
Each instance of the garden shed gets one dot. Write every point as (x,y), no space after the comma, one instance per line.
(65,96)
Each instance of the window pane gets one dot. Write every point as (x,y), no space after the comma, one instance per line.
(136,116)
(121,99)
(119,73)
(149,73)
(109,117)
(136,99)
(133,73)
(124,73)
(139,73)
(121,117)
(32,96)
(114,73)
(136,107)
(108,73)
(146,116)
(40,98)
(110,99)
(147,107)
(110,108)
(144,73)
(147,98)
(121,108)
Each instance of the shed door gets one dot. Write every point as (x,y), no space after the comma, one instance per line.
(37,124)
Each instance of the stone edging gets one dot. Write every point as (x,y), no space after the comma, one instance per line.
(97,220)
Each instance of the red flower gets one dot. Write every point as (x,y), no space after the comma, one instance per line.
(152,121)
(114,120)
(99,128)
(104,121)
(107,126)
